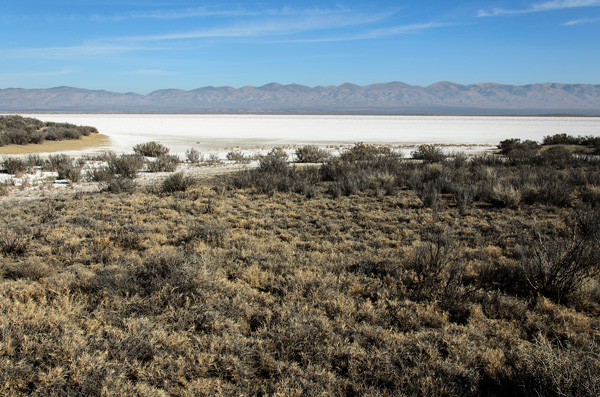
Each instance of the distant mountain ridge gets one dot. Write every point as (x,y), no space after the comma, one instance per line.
(387,98)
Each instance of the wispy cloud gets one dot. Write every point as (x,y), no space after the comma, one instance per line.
(212,12)
(379,33)
(582,21)
(405,29)
(540,7)
(149,72)
(293,25)
(36,74)
(199,12)
(71,52)
(269,27)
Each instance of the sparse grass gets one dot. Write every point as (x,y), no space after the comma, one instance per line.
(83,143)
(268,284)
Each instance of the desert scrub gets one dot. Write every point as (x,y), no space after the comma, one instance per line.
(65,166)
(177,183)
(273,174)
(193,156)
(311,154)
(238,157)
(14,239)
(20,130)
(151,149)
(429,154)
(14,165)
(163,163)
(124,165)
(558,269)
(223,289)
(504,195)
(118,184)
(363,167)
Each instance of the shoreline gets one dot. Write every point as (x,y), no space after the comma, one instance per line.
(4,112)
(85,143)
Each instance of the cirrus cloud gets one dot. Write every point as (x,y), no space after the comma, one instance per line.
(540,7)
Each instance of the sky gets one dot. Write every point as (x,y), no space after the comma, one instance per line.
(144,45)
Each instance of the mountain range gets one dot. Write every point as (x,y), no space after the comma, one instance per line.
(387,98)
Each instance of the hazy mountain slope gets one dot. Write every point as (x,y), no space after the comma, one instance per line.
(395,97)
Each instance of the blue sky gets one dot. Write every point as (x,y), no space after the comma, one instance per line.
(140,46)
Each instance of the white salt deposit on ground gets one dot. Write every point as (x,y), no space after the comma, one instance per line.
(221,133)
(216,135)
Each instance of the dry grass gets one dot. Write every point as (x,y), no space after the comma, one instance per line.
(209,289)
(83,143)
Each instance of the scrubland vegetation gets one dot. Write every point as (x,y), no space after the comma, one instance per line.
(370,274)
(20,130)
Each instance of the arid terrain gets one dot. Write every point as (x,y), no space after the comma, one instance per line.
(363,273)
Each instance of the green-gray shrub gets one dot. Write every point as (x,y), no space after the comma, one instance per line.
(164,163)
(311,154)
(151,149)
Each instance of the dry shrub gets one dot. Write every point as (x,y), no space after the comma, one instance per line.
(434,261)
(558,156)
(238,157)
(363,167)
(193,156)
(383,182)
(311,154)
(177,183)
(14,240)
(70,170)
(557,269)
(504,195)
(212,159)
(33,269)
(212,232)
(590,194)
(274,162)
(129,236)
(272,175)
(166,268)
(554,368)
(151,149)
(429,194)
(125,165)
(100,174)
(465,196)
(429,154)
(24,130)
(146,294)
(119,185)
(14,165)
(163,163)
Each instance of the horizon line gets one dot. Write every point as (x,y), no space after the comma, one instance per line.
(274,83)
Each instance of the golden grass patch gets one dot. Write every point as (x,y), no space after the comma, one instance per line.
(85,142)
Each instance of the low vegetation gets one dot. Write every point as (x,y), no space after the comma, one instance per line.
(371,274)
(18,130)
(151,149)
